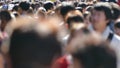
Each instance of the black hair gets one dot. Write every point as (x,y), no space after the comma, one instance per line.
(91,51)
(16,14)
(105,7)
(96,56)
(29,49)
(114,1)
(17,2)
(62,0)
(115,10)
(48,6)
(76,4)
(89,8)
(24,6)
(83,5)
(30,11)
(4,16)
(15,8)
(33,6)
(76,19)
(55,3)
(65,9)
(117,25)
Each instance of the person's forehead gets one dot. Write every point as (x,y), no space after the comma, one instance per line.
(94,10)
(97,11)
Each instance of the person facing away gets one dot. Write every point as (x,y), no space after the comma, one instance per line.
(5,18)
(32,44)
(23,8)
(95,53)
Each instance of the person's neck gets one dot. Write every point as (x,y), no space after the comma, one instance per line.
(100,29)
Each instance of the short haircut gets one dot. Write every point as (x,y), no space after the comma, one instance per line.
(76,4)
(65,9)
(105,7)
(16,14)
(33,6)
(15,8)
(91,52)
(115,10)
(117,25)
(24,6)
(31,46)
(89,8)
(5,15)
(83,5)
(74,16)
(48,6)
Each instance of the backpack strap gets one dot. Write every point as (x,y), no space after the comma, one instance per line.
(110,37)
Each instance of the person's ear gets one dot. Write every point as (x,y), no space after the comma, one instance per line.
(107,21)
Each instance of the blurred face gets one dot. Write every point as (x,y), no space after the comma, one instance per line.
(98,19)
(117,31)
(87,20)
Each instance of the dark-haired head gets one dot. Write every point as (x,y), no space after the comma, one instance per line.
(115,11)
(90,51)
(33,44)
(104,7)
(65,9)
(15,8)
(49,6)
(24,6)
(73,17)
(101,16)
(5,17)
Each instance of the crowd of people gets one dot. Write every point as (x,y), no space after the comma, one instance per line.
(66,34)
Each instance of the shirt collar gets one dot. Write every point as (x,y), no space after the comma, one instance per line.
(106,32)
